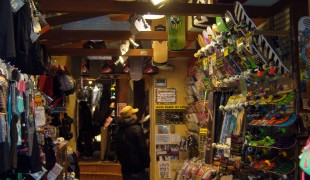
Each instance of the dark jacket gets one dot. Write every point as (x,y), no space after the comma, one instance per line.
(131,148)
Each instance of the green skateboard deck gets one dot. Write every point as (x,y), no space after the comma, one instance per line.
(221,25)
(176,32)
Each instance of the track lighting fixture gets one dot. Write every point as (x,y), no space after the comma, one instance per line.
(158,3)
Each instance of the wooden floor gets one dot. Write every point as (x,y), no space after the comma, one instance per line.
(99,170)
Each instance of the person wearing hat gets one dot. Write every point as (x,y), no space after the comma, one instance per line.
(131,147)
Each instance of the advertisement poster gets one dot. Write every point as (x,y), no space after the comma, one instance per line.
(164,169)
(162,139)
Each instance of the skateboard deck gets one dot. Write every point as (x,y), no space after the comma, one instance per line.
(260,40)
(201,41)
(176,32)
(221,26)
(281,143)
(304,38)
(233,26)
(135,66)
(279,168)
(160,53)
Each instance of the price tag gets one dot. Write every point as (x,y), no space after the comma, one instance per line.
(211,67)
(226,51)
(248,37)
(40,118)
(205,63)
(213,58)
(203,131)
(239,42)
(54,173)
(17,4)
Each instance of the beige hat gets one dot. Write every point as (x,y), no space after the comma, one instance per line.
(127,111)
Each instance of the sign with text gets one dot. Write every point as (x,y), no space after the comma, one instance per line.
(165,96)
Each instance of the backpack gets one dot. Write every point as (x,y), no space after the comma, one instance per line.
(64,83)
(67,82)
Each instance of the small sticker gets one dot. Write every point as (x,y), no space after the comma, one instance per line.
(144,53)
(226,51)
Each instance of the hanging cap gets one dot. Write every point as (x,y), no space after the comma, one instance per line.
(127,111)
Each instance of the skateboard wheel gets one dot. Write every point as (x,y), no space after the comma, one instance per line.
(265,66)
(272,70)
(267,162)
(250,149)
(260,73)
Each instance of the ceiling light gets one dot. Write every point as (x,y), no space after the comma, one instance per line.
(158,3)
(153,16)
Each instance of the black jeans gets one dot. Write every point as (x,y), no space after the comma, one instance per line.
(143,175)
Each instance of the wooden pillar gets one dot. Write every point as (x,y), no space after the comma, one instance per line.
(139,97)
(298,9)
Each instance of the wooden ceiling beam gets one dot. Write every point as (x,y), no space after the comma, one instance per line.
(75,35)
(70,17)
(115,52)
(117,7)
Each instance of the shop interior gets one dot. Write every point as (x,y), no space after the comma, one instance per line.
(222,87)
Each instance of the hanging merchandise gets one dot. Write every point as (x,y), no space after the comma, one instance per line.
(28,54)
(250,100)
(176,32)
(65,128)
(65,81)
(7,46)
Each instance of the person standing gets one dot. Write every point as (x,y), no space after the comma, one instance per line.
(131,147)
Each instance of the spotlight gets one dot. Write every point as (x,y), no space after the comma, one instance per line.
(153,16)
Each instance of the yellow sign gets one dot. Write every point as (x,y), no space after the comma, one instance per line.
(170,106)
(203,131)
(248,36)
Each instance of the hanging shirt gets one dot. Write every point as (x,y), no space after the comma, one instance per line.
(7,45)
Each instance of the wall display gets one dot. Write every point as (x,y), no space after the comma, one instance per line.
(164,169)
(167,152)
(162,138)
(161,82)
(244,89)
(165,95)
(174,138)
(169,116)
(162,129)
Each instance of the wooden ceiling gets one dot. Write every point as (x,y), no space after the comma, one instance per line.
(70,42)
